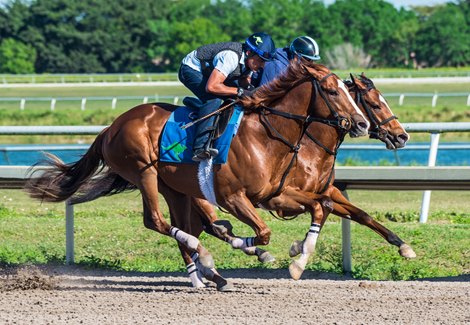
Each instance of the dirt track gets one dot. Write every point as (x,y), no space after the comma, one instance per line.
(70,295)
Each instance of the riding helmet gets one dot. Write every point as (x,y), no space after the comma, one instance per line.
(262,44)
(306,47)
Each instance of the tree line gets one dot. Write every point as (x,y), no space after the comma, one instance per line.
(109,36)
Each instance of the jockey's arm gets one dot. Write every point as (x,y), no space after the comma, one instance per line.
(215,85)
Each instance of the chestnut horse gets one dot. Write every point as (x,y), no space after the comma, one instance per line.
(315,177)
(266,144)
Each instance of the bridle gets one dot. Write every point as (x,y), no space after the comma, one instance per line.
(343,124)
(376,131)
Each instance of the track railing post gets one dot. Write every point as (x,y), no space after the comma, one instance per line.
(346,241)
(431,162)
(69,233)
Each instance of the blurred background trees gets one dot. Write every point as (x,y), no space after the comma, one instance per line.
(97,36)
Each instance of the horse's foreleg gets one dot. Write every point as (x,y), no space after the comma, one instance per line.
(222,229)
(239,206)
(319,207)
(343,208)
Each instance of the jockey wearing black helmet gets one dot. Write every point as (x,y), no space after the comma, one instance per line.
(212,71)
(302,47)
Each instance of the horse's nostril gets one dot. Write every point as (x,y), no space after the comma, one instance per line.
(362,125)
(404,137)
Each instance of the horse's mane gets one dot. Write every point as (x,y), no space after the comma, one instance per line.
(277,88)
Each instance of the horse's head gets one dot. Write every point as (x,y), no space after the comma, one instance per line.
(384,125)
(333,101)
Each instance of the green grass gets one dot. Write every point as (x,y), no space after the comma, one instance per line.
(109,233)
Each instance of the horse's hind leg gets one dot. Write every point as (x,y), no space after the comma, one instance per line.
(343,208)
(153,217)
(184,217)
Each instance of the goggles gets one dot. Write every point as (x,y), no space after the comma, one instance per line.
(264,55)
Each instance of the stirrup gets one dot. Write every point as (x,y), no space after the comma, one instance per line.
(204,154)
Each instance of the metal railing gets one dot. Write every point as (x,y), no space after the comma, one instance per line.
(82,101)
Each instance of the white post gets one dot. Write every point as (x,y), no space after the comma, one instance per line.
(157,97)
(22,104)
(401,99)
(113,103)
(431,162)
(175,100)
(346,241)
(53,101)
(83,104)
(468,100)
(146,100)
(69,235)
(434,100)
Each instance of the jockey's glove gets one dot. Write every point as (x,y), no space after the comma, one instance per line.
(245,92)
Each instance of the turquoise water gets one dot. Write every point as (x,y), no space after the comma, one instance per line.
(449,154)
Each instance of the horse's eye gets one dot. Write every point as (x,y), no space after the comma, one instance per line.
(376,107)
(332,92)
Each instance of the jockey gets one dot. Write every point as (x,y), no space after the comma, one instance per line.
(301,47)
(211,72)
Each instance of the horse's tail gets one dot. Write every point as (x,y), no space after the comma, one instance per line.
(106,184)
(59,181)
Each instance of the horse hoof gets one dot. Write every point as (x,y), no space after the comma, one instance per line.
(265,257)
(295,270)
(406,251)
(207,261)
(296,248)
(227,287)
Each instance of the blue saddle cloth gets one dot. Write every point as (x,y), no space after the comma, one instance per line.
(176,145)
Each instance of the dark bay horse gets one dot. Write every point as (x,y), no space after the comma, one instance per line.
(267,142)
(318,178)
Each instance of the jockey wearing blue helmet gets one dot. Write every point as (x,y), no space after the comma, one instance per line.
(212,73)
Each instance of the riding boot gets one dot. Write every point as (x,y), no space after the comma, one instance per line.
(205,132)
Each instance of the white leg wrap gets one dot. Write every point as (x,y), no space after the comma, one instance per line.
(189,241)
(311,239)
(195,276)
(243,242)
(206,272)
(309,244)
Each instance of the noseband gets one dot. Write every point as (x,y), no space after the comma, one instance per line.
(377,132)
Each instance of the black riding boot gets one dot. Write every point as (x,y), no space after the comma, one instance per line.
(204,131)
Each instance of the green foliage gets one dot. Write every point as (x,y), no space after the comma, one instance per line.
(444,38)
(16,57)
(148,35)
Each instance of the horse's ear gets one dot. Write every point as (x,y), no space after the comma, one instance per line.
(353,79)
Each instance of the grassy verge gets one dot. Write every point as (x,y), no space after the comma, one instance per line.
(109,233)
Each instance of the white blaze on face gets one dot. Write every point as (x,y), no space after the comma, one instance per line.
(342,86)
(385,103)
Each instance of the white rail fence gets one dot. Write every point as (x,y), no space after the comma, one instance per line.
(377,178)
(113,100)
